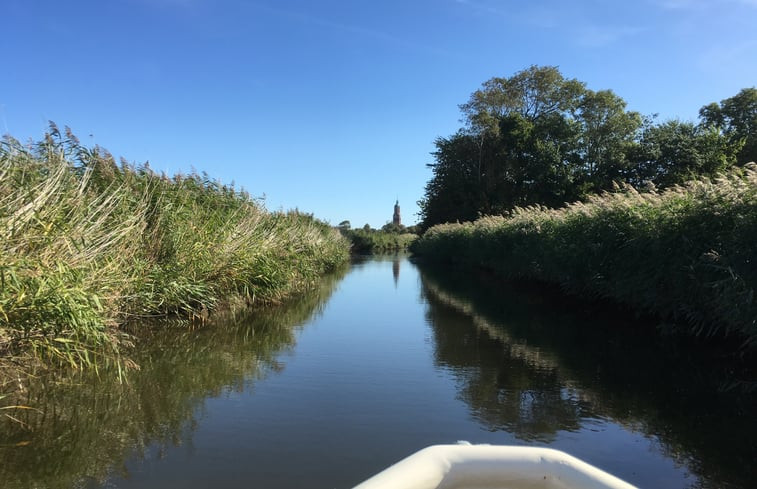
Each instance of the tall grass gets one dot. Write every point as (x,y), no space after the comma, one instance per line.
(88,244)
(687,253)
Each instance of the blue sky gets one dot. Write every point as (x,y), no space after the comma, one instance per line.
(333,106)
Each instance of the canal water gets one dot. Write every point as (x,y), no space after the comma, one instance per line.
(379,361)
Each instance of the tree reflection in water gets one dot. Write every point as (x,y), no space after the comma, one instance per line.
(530,363)
(85,426)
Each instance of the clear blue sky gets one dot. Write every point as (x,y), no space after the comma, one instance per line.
(332,106)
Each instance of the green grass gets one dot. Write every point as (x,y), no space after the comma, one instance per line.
(89,244)
(687,253)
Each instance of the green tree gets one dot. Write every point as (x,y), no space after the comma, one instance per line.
(606,135)
(674,152)
(736,118)
(532,93)
(453,192)
(534,138)
(390,227)
(534,163)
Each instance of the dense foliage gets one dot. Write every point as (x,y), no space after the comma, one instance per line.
(686,253)
(540,138)
(367,240)
(88,244)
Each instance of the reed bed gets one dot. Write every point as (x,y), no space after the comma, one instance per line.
(686,253)
(89,244)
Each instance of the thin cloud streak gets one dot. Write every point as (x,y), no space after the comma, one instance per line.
(701,5)
(356,30)
(576,30)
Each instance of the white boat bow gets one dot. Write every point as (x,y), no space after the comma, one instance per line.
(492,467)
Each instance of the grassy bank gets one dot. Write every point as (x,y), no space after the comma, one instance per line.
(375,241)
(89,244)
(687,253)
(85,427)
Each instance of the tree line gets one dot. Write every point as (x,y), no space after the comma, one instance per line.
(540,138)
(366,240)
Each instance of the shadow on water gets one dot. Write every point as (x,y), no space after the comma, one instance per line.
(84,427)
(527,362)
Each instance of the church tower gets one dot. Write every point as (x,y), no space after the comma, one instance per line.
(396,217)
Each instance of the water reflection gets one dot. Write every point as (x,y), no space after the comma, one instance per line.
(396,269)
(525,366)
(397,258)
(509,387)
(376,376)
(84,427)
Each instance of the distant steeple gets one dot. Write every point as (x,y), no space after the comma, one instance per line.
(396,220)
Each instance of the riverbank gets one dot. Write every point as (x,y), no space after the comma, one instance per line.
(685,254)
(89,244)
(79,413)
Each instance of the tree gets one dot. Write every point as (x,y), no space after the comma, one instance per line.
(453,191)
(533,163)
(540,138)
(345,225)
(532,93)
(674,152)
(390,227)
(736,118)
(534,138)
(607,132)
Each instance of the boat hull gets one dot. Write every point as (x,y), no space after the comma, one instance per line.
(492,467)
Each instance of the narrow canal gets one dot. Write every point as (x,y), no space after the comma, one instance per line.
(375,364)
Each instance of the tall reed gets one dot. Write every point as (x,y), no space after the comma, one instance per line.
(88,244)
(686,253)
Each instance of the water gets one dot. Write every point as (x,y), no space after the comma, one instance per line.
(371,367)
